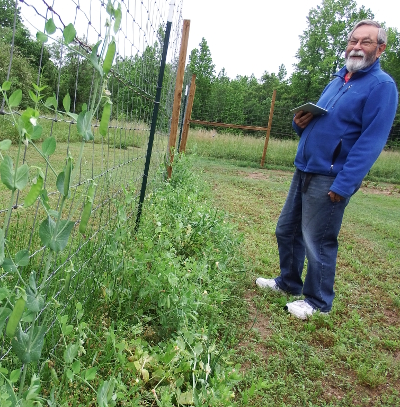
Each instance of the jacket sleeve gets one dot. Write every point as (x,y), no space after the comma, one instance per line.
(377,119)
(297,129)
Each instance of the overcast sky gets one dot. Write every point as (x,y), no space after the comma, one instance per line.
(255,36)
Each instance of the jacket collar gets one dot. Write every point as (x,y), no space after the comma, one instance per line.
(374,67)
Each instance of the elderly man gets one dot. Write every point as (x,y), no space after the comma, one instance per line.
(336,150)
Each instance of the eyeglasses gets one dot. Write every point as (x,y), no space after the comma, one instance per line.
(364,43)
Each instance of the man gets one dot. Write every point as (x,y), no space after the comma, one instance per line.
(336,150)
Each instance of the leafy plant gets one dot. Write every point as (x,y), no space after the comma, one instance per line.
(29,298)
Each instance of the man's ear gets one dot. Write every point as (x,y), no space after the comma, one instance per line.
(381,48)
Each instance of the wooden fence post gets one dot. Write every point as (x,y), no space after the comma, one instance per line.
(178,95)
(271,113)
(188,114)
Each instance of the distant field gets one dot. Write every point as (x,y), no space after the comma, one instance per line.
(247,151)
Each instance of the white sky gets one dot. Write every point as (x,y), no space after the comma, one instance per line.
(255,36)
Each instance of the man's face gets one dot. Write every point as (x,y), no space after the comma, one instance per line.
(363,48)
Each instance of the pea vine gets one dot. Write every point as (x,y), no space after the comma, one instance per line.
(21,306)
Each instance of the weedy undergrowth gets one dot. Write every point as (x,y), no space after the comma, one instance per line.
(168,296)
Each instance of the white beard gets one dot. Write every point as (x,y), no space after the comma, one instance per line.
(354,65)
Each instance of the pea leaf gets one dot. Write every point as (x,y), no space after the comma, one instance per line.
(27,350)
(9,266)
(73,116)
(6,86)
(5,144)
(51,101)
(198,349)
(22,177)
(15,98)
(7,172)
(36,133)
(84,125)
(38,88)
(34,192)
(22,258)
(71,352)
(14,376)
(67,102)
(34,301)
(105,393)
(69,33)
(109,58)
(90,374)
(110,8)
(41,37)
(95,60)
(57,240)
(60,182)
(50,27)
(49,146)
(34,96)
(76,366)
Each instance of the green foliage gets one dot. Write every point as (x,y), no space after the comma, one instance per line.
(22,74)
(322,45)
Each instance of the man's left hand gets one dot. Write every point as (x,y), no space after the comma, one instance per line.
(334,196)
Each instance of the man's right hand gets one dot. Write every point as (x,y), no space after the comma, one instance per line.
(302,118)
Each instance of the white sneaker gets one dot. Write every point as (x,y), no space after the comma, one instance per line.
(268,283)
(301,309)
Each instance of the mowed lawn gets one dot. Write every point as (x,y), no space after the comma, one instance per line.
(352,356)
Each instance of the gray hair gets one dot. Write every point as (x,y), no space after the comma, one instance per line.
(382,36)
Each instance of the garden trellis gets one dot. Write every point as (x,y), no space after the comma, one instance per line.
(77,111)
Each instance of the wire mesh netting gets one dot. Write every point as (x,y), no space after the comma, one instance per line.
(59,82)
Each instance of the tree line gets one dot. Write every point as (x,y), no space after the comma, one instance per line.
(246,100)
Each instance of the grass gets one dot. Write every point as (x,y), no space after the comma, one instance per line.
(350,357)
(122,134)
(165,305)
(247,151)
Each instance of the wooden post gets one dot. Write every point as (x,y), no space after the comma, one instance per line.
(271,113)
(188,114)
(178,95)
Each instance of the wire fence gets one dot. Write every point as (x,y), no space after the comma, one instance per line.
(109,168)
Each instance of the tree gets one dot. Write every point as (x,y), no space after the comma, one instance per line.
(322,45)
(7,11)
(390,62)
(201,64)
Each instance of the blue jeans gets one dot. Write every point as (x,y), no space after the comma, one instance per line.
(309,225)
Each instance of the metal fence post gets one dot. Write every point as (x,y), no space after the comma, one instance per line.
(155,114)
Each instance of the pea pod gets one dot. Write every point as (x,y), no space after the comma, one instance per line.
(54,376)
(105,118)
(34,192)
(15,317)
(87,209)
(67,175)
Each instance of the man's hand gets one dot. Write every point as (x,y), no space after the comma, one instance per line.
(303,118)
(334,196)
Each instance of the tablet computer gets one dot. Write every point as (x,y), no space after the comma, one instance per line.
(310,107)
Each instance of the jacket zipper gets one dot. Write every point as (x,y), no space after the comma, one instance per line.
(335,154)
(334,103)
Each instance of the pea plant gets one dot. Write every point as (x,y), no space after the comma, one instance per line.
(26,304)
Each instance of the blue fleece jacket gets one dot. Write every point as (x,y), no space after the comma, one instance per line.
(345,142)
